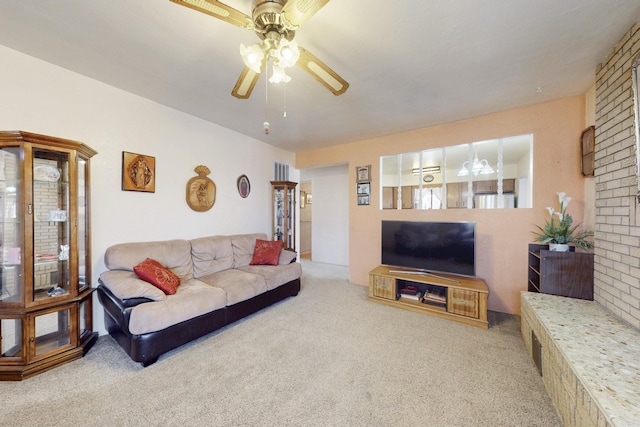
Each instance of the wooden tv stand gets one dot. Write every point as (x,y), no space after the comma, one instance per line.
(464,298)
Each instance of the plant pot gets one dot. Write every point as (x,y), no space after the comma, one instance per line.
(558,247)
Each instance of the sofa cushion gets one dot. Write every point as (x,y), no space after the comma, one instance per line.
(158,275)
(193,298)
(239,285)
(243,245)
(126,285)
(275,276)
(211,254)
(174,254)
(286,257)
(266,252)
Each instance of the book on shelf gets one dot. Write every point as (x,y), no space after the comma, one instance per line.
(435,296)
(441,299)
(409,290)
(428,300)
(415,297)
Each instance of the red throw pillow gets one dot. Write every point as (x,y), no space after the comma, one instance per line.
(158,275)
(266,252)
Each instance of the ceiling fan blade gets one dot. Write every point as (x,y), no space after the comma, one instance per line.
(297,12)
(247,81)
(322,73)
(218,10)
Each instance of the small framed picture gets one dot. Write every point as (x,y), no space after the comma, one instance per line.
(244,186)
(363,173)
(363,200)
(364,188)
(138,172)
(587,148)
(309,198)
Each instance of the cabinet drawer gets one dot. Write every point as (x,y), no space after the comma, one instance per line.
(464,303)
(382,286)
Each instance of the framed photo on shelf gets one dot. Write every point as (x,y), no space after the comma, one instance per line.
(138,172)
(363,174)
(364,188)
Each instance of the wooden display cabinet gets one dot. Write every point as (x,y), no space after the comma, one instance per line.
(568,274)
(45,262)
(284,213)
(464,299)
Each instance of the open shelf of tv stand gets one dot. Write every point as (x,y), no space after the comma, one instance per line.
(466,297)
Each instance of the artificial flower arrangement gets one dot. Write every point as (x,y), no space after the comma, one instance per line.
(559,229)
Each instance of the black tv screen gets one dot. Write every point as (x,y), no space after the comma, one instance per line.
(442,247)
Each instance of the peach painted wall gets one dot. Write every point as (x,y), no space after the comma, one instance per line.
(502,234)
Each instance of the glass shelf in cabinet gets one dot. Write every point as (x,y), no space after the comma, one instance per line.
(45,183)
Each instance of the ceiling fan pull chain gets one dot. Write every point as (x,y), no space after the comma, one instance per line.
(266,125)
(285,101)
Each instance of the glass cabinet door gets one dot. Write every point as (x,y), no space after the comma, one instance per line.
(278,213)
(291,214)
(284,208)
(11,338)
(51,233)
(10,226)
(52,331)
(83,228)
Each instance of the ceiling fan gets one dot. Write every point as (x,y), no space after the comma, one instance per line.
(275,22)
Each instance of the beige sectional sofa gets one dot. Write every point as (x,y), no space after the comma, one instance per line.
(217,286)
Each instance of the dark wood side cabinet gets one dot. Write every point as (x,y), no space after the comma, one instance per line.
(568,274)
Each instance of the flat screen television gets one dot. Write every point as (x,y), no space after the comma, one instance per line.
(430,247)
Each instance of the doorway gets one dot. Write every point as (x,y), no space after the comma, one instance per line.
(306,215)
(325,215)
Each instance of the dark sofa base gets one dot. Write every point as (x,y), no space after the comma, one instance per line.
(146,348)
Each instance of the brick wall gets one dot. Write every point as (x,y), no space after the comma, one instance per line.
(617,234)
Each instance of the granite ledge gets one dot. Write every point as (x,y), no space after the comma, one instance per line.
(602,350)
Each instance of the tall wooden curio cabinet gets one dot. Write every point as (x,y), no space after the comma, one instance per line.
(45,286)
(284,213)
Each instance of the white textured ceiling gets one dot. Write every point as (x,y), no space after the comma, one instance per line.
(410,64)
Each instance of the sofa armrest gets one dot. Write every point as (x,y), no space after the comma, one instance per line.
(118,309)
(125,285)
(287,257)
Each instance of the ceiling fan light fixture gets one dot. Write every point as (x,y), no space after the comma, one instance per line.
(252,56)
(279,75)
(288,53)
(275,22)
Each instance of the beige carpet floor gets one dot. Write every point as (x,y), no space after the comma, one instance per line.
(327,357)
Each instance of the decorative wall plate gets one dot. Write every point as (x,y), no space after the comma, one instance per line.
(244,186)
(46,173)
(201,191)
(138,172)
